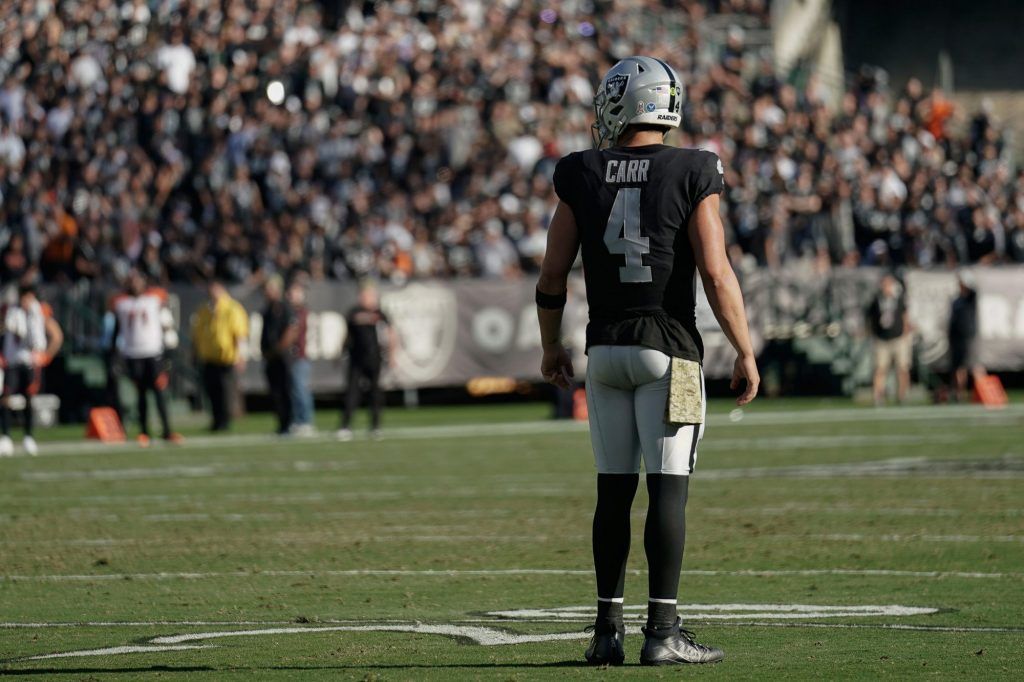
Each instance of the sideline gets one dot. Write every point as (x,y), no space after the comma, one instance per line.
(456,573)
(767,418)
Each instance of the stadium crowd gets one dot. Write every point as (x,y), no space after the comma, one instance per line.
(246,138)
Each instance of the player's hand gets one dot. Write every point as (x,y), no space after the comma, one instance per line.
(41,359)
(556,366)
(745,369)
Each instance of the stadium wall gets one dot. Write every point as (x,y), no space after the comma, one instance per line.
(453,331)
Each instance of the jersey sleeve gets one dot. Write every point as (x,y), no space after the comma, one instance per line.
(566,178)
(709,178)
(241,321)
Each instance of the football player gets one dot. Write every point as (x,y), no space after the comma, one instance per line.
(31,338)
(646,216)
(143,326)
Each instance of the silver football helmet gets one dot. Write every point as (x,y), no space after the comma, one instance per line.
(636,90)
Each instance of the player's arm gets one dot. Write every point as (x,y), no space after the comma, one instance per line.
(393,341)
(707,236)
(54,338)
(563,245)
(111,325)
(194,329)
(241,324)
(114,328)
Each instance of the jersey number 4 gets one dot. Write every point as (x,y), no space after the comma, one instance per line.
(623,238)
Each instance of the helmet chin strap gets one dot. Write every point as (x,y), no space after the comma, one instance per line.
(599,133)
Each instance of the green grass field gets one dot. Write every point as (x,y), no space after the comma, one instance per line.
(824,542)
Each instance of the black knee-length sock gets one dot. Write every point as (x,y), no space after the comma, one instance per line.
(615,494)
(664,537)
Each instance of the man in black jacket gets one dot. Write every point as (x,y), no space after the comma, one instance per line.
(370,342)
(963,330)
(279,332)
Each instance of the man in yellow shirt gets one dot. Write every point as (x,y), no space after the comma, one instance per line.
(219,330)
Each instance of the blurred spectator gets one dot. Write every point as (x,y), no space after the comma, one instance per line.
(30,340)
(219,331)
(496,255)
(14,261)
(370,342)
(963,333)
(302,394)
(893,340)
(277,340)
(411,140)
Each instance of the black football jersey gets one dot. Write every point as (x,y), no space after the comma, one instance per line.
(632,206)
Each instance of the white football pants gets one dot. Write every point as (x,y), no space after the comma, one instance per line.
(627,397)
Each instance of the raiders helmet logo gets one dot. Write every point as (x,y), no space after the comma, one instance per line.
(615,86)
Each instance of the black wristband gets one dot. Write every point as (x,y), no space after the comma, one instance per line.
(550,301)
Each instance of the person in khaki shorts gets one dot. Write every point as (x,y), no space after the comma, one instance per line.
(893,341)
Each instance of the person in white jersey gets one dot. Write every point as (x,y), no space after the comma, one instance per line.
(31,337)
(142,322)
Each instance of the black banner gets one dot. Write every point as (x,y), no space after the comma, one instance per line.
(452,331)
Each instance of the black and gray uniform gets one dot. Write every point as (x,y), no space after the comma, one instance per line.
(963,331)
(278,318)
(632,206)
(367,329)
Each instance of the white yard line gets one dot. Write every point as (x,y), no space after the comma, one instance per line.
(1004,466)
(34,625)
(801,509)
(116,651)
(898,467)
(385,535)
(789,443)
(286,538)
(454,573)
(771,418)
(716,612)
(479,634)
(912,537)
(582,620)
(192,500)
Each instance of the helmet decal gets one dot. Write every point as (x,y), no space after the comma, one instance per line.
(615,86)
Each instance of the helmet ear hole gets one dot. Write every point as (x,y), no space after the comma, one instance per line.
(616,110)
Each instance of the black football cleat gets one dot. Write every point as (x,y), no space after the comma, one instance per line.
(675,646)
(606,644)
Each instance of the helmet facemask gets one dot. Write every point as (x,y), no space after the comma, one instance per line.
(600,132)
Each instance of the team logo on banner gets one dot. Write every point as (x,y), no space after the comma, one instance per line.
(426,321)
